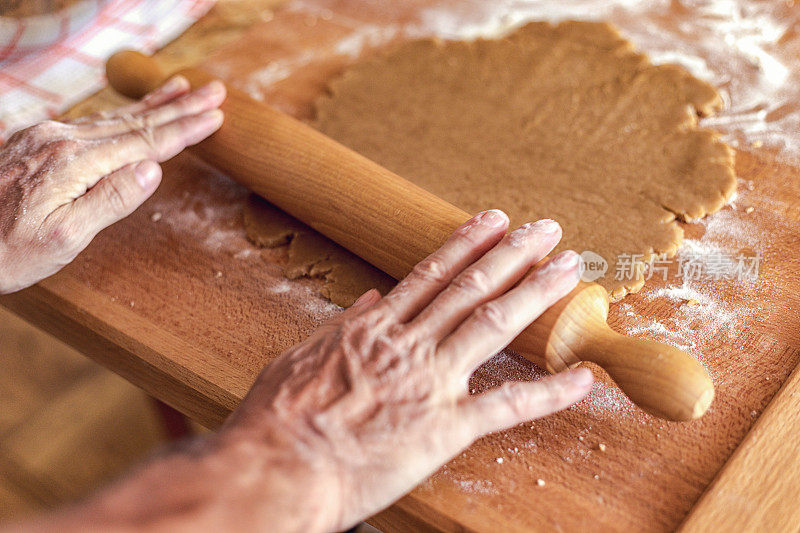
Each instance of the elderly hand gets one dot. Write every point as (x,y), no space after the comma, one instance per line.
(377,399)
(343,424)
(61,183)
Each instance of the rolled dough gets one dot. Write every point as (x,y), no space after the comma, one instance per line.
(310,254)
(566,122)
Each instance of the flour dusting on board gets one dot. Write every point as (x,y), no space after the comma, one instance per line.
(210,215)
(274,72)
(365,36)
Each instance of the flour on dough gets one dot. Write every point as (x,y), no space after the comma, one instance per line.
(565,122)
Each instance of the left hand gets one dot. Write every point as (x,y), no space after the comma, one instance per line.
(63,182)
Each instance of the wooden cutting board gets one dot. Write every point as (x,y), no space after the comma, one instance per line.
(175,299)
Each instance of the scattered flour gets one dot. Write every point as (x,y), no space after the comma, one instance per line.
(275,72)
(365,36)
(282,287)
(204,222)
(477,486)
(606,400)
(319,306)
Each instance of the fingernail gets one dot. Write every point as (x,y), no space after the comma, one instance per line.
(216,116)
(175,83)
(366,297)
(147,172)
(580,377)
(493,218)
(566,260)
(213,118)
(210,89)
(546,225)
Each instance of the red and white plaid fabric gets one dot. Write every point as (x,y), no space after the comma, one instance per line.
(50,63)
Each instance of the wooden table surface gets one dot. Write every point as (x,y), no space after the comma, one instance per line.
(176,300)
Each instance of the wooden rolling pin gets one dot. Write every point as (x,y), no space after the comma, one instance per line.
(393,224)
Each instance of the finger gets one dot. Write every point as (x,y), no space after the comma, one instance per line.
(208,97)
(517,402)
(114,197)
(468,243)
(489,277)
(157,144)
(364,302)
(174,87)
(496,323)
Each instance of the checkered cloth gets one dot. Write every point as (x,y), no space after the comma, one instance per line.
(50,63)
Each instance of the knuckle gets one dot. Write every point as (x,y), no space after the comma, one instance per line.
(44,130)
(473,280)
(353,331)
(115,198)
(431,269)
(515,400)
(399,339)
(62,236)
(387,337)
(38,133)
(545,288)
(134,122)
(395,331)
(493,315)
(556,393)
(53,129)
(63,147)
(147,133)
(469,233)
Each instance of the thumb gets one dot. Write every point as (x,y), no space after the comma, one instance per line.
(115,196)
(364,302)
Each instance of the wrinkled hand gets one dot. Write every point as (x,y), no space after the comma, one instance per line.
(377,399)
(61,183)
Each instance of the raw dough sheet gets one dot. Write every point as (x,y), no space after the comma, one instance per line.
(566,122)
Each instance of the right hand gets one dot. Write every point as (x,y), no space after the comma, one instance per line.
(377,399)
(346,422)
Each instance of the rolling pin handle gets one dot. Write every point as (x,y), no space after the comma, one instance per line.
(133,74)
(661,379)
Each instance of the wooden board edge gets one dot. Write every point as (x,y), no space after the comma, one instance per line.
(410,513)
(49,307)
(758,487)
